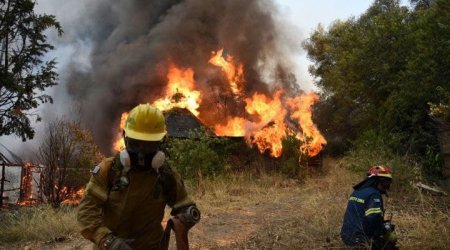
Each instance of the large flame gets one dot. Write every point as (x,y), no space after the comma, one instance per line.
(265,120)
(234,73)
(301,112)
(234,127)
(269,131)
(180,91)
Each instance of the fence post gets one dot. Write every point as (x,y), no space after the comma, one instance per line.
(2,185)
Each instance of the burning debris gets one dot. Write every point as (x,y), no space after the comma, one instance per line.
(72,196)
(22,183)
(30,191)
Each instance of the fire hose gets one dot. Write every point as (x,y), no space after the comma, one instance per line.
(180,224)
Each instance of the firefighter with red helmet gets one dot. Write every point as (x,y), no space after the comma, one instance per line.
(125,198)
(364,223)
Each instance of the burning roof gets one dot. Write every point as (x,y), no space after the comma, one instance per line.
(181,121)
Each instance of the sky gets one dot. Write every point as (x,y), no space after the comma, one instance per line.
(304,15)
(307,15)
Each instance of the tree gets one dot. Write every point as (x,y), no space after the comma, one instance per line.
(23,73)
(67,152)
(379,72)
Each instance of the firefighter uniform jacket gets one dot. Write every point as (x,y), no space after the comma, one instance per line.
(131,211)
(363,219)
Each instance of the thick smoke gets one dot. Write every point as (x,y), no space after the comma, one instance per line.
(134,41)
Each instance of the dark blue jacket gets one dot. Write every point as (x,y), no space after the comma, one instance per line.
(363,219)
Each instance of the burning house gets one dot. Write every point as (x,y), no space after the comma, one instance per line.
(25,184)
(263,120)
(229,63)
(20,181)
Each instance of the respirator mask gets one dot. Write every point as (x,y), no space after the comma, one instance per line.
(141,152)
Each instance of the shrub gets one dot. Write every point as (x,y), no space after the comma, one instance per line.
(372,149)
(200,154)
(290,158)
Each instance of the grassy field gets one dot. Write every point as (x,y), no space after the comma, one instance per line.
(253,210)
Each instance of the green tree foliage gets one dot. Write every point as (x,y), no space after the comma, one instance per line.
(290,157)
(374,150)
(23,73)
(67,152)
(379,72)
(199,155)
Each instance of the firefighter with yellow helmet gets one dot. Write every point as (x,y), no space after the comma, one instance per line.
(126,195)
(364,222)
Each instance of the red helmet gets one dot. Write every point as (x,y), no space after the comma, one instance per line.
(380,170)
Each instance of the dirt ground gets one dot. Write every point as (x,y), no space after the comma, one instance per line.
(223,229)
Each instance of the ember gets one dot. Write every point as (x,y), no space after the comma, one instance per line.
(72,195)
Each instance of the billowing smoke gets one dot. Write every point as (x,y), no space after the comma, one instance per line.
(134,41)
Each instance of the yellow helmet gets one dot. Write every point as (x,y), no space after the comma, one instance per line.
(145,122)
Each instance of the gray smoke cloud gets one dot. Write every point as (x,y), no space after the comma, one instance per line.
(120,51)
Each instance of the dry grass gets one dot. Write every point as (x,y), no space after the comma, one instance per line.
(315,217)
(37,223)
(240,189)
(268,211)
(423,220)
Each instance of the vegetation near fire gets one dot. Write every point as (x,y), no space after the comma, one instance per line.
(381,75)
(24,75)
(262,175)
(68,152)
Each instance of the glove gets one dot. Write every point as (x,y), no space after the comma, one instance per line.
(388,226)
(112,242)
(391,237)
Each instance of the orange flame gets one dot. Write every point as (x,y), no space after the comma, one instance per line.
(180,91)
(72,196)
(265,120)
(119,145)
(269,132)
(234,127)
(234,73)
(301,111)
(26,188)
